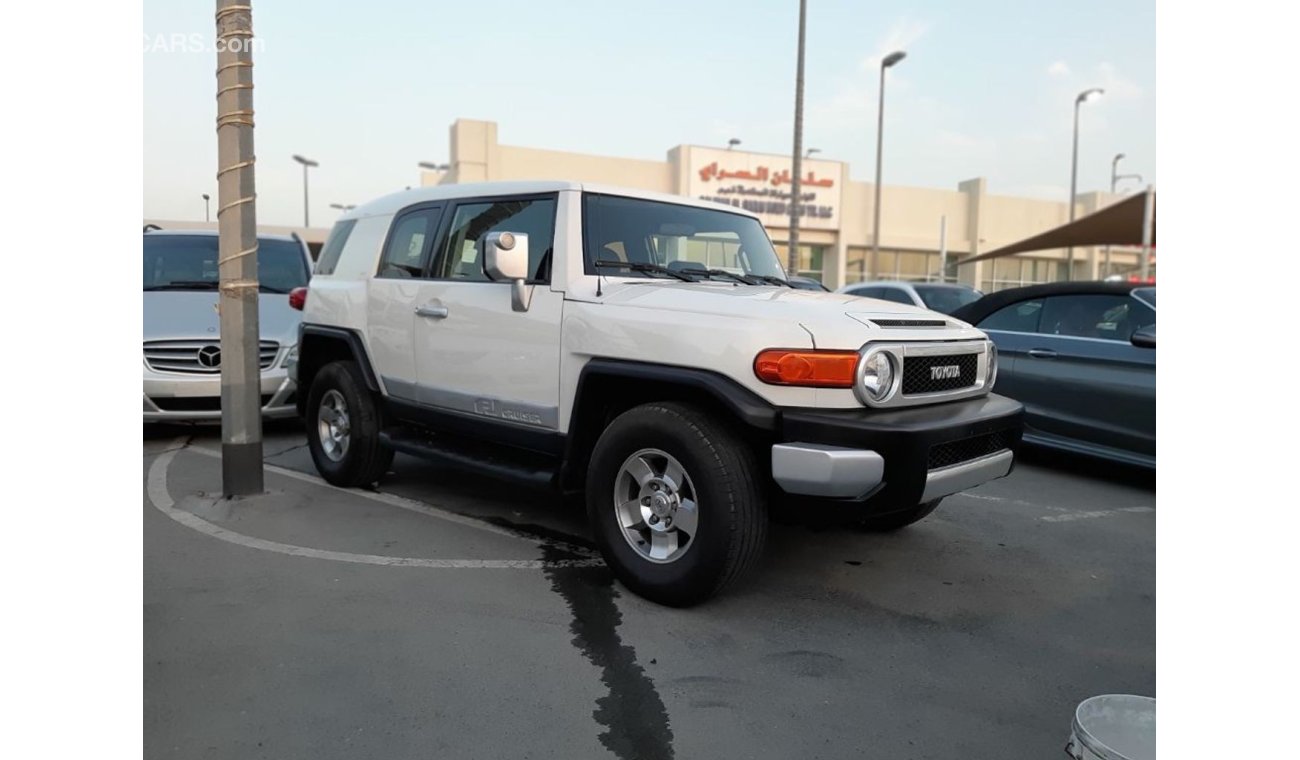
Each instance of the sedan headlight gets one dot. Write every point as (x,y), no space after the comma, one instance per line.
(290,356)
(877,378)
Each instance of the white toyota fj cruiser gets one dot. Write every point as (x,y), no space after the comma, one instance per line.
(645,349)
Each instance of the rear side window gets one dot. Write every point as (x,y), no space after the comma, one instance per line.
(1018,317)
(462,256)
(1106,317)
(329,255)
(407,250)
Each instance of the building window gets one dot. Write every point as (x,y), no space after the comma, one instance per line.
(915,266)
(811,258)
(1015,271)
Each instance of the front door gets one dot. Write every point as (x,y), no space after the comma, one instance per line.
(474,355)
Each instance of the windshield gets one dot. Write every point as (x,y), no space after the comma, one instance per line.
(651,235)
(945,300)
(1146,295)
(189,262)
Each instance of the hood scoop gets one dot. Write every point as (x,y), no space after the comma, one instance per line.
(896,322)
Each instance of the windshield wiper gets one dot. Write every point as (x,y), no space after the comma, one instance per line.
(639,266)
(185,285)
(720,273)
(772,279)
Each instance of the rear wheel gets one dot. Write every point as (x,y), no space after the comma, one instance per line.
(898,520)
(676,501)
(343,423)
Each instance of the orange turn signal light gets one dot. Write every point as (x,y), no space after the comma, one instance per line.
(817,369)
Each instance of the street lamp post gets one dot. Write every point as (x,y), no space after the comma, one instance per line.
(733,142)
(306,164)
(792,255)
(808,153)
(888,61)
(207,208)
(343,206)
(1082,98)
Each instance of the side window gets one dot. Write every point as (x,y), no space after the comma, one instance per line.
(329,255)
(1108,317)
(866,292)
(896,295)
(408,244)
(462,255)
(1018,317)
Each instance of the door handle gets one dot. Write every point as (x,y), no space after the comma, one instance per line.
(431,311)
(1042,353)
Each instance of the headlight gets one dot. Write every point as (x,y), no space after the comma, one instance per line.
(290,356)
(877,376)
(993,365)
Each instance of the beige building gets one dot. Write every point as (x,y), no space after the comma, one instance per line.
(921,227)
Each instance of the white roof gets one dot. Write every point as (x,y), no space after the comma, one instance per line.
(393,203)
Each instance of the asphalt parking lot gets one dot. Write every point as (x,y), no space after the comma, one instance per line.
(452,616)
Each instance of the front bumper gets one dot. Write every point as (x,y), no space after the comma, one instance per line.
(177,397)
(889,460)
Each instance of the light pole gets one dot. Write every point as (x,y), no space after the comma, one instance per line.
(808,153)
(207,208)
(792,257)
(733,142)
(343,206)
(889,61)
(306,164)
(434,167)
(1082,98)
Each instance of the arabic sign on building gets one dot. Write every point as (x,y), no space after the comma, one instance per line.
(761,184)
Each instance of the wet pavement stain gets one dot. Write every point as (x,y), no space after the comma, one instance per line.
(634,716)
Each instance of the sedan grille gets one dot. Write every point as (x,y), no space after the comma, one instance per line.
(936,374)
(198,357)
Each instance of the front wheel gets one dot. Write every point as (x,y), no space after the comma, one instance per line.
(898,520)
(676,502)
(343,423)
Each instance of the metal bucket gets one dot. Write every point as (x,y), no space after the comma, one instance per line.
(1114,727)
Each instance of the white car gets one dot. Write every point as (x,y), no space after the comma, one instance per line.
(645,349)
(182,342)
(943,297)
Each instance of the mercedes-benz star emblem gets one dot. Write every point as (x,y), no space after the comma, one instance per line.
(210,356)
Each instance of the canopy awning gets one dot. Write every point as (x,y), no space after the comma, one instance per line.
(1117,224)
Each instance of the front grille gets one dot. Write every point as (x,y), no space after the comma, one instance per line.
(198,357)
(920,377)
(909,322)
(956,452)
(195,403)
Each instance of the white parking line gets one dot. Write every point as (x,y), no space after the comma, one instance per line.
(156,490)
(1069,516)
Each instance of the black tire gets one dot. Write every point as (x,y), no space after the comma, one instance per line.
(365,460)
(898,520)
(725,479)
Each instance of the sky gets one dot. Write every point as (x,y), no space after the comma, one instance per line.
(370,89)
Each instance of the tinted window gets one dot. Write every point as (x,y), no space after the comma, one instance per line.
(1147,296)
(329,255)
(1107,317)
(897,295)
(1018,317)
(408,244)
(679,237)
(184,262)
(865,292)
(946,300)
(462,256)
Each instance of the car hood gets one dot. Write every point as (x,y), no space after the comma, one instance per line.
(835,320)
(189,314)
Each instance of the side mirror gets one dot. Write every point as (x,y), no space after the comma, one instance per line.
(1144,338)
(505,257)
